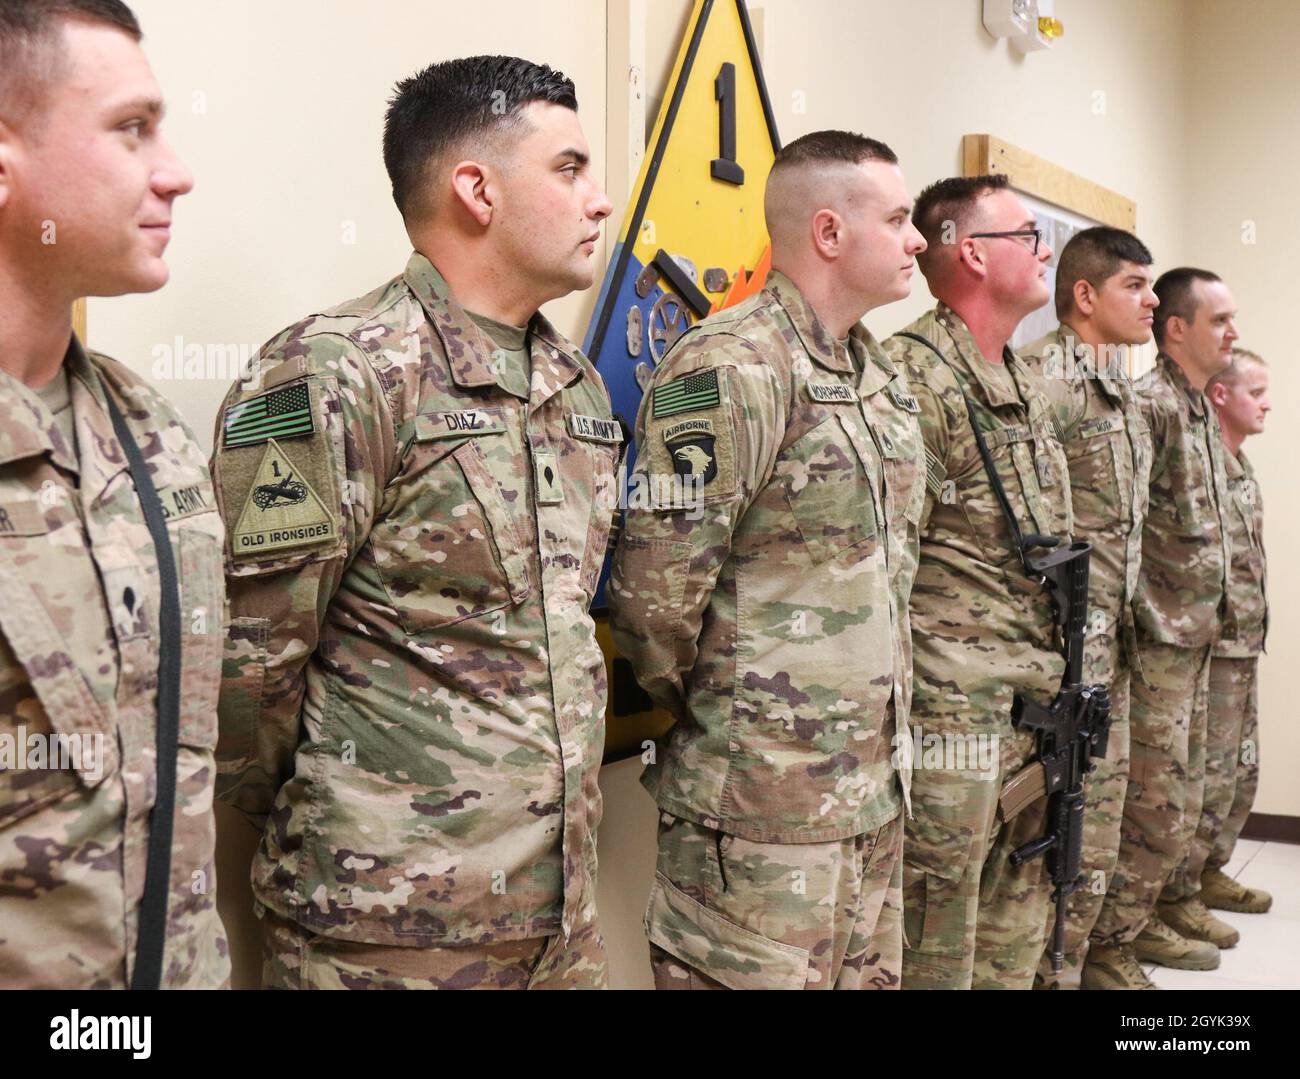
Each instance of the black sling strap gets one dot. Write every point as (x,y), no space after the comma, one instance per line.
(151,925)
(1022,543)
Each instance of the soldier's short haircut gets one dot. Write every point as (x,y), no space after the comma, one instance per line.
(1093,255)
(954,200)
(1177,294)
(1241,358)
(847,147)
(458,103)
(32,54)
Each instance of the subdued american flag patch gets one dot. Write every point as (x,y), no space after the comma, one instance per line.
(935,472)
(279,414)
(686,394)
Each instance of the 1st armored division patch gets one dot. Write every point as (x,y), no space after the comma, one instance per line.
(281,509)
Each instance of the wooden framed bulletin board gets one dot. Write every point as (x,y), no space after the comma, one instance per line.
(1063,203)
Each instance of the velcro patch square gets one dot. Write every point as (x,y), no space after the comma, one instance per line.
(689,393)
(284,413)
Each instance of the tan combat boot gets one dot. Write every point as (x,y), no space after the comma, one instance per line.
(1192,919)
(1157,943)
(1220,891)
(1113,967)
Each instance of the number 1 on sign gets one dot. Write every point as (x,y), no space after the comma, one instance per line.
(724,90)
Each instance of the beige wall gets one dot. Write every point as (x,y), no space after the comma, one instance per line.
(278,110)
(1243,138)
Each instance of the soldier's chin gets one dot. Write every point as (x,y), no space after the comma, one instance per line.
(583,275)
(148,275)
(126,281)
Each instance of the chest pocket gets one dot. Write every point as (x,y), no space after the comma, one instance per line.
(904,454)
(1192,477)
(604,503)
(47,705)
(449,546)
(828,489)
(1011,447)
(197,547)
(1101,473)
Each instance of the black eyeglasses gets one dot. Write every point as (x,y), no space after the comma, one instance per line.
(1037,234)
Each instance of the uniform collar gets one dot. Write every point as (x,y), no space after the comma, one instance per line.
(29,429)
(812,332)
(470,351)
(1174,374)
(1065,334)
(878,371)
(102,456)
(1235,465)
(996,392)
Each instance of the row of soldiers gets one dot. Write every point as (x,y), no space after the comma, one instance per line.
(381,585)
(855,587)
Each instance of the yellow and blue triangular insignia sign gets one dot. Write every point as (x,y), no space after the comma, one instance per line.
(694,237)
(692,242)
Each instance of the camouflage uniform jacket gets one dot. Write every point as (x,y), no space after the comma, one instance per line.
(767,625)
(79,603)
(1108,447)
(1248,573)
(413,698)
(1182,595)
(981,628)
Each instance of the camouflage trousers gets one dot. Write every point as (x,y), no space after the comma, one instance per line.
(1103,810)
(970,918)
(731,913)
(1167,716)
(297,958)
(1231,760)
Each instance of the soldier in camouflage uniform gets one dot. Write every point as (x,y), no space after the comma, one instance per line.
(763,603)
(1240,398)
(1180,605)
(982,631)
(1105,303)
(80,590)
(418,501)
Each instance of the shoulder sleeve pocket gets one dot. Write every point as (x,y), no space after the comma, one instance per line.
(281,485)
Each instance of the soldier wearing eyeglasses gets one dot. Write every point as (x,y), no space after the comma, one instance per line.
(981,629)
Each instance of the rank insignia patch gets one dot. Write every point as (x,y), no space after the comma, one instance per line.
(282,413)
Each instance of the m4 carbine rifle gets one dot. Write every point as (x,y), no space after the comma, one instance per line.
(1071,731)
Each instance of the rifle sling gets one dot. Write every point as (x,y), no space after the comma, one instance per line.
(151,925)
(995,480)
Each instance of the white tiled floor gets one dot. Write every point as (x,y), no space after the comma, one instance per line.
(1268,954)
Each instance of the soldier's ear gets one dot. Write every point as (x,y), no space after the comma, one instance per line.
(8,141)
(1175,329)
(469,186)
(971,254)
(827,232)
(1085,297)
(1217,392)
